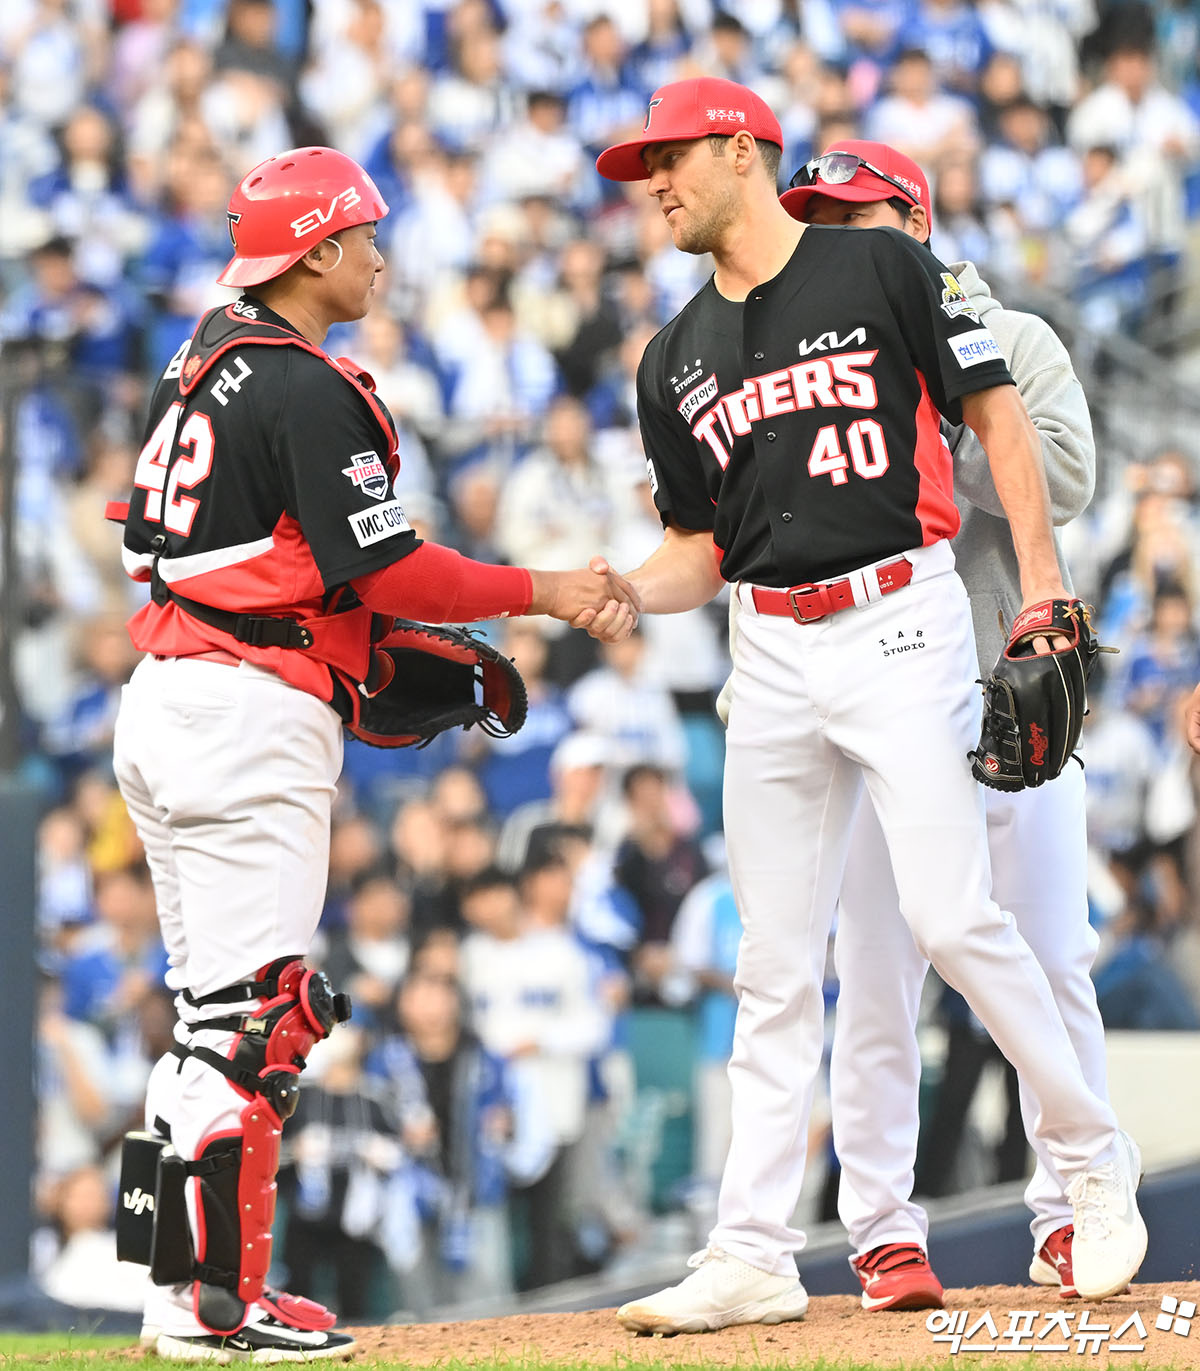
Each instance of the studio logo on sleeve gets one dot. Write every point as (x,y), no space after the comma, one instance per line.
(689,372)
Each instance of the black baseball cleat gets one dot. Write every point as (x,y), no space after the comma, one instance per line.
(292,1311)
(265,1341)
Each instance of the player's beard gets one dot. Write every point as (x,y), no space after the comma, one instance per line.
(702,230)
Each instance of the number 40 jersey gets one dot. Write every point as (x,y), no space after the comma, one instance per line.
(803,424)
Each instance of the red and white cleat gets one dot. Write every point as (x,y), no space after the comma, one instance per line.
(898,1276)
(1052,1263)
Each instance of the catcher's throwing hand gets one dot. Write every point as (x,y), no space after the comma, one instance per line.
(618,618)
(1035,699)
(579,596)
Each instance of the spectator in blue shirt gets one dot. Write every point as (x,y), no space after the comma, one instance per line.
(117,961)
(607,100)
(82,336)
(466,1250)
(953,35)
(188,250)
(80,737)
(1163,661)
(655,59)
(88,198)
(516,770)
(1029,169)
(873,31)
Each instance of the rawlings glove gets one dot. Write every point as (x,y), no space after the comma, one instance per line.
(436,678)
(1033,706)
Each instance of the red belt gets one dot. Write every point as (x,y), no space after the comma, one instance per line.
(217,654)
(809,603)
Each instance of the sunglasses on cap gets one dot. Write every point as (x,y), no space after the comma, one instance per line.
(836,168)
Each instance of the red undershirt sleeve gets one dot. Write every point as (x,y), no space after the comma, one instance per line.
(437,585)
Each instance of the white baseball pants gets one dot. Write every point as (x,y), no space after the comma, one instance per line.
(817,711)
(1037,841)
(229,775)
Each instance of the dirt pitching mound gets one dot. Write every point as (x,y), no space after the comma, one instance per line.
(837,1329)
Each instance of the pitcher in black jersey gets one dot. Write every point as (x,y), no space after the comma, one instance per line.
(791,421)
(263,516)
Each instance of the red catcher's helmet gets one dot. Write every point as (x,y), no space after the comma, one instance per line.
(289,203)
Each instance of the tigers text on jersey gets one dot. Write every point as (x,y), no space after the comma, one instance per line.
(267,468)
(802,425)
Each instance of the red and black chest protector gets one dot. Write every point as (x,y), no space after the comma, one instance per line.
(339,634)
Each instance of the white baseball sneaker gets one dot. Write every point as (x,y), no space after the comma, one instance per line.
(722,1290)
(1110,1234)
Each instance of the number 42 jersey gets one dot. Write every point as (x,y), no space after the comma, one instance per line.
(803,425)
(264,486)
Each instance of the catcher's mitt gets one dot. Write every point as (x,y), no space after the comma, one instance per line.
(436,678)
(1033,706)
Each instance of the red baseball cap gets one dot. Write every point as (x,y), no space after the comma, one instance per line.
(691,109)
(864,185)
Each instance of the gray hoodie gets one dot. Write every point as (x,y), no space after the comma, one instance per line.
(1056,403)
(983,548)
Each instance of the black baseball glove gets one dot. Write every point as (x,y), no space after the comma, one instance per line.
(1033,706)
(434,678)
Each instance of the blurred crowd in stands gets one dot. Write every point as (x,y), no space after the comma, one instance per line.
(538,933)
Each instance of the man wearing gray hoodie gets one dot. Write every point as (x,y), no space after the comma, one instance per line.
(1037,838)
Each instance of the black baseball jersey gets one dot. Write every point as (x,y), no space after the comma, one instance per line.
(802,426)
(267,469)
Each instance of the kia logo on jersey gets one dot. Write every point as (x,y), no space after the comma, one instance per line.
(368,473)
(317,217)
(831,340)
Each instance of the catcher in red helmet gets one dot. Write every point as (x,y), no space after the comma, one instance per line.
(264,522)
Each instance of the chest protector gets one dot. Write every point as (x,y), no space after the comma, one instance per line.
(341,634)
